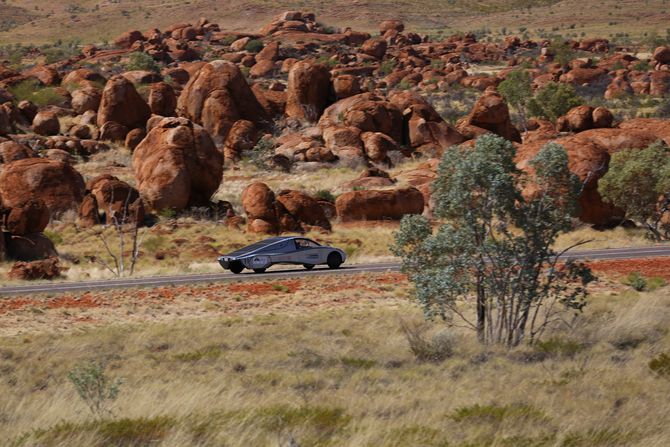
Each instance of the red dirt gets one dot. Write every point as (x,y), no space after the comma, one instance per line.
(646,267)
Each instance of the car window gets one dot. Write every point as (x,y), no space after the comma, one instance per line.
(302,244)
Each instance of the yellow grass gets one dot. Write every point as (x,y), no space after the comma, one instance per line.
(344,377)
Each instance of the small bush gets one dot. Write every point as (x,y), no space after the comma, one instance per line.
(438,349)
(387,67)
(280,288)
(254,46)
(142,61)
(54,237)
(94,387)
(324,194)
(642,283)
(553,100)
(325,60)
(32,90)
(660,365)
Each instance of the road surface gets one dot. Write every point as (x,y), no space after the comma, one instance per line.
(155,281)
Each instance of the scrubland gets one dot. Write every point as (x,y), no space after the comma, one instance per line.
(321,362)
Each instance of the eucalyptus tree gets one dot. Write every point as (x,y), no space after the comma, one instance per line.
(489,263)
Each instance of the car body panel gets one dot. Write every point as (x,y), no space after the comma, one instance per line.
(281,250)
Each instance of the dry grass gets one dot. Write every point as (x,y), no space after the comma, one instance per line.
(344,376)
(82,19)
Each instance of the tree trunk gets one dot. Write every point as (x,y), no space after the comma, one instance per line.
(481,311)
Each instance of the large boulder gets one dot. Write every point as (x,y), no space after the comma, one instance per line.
(309,90)
(304,209)
(30,247)
(242,137)
(32,216)
(86,99)
(258,202)
(177,166)
(115,200)
(379,205)
(11,151)
(30,271)
(662,55)
(46,123)
(367,112)
(217,96)
(425,130)
(58,184)
(122,104)
(162,99)
(578,119)
(490,113)
(375,47)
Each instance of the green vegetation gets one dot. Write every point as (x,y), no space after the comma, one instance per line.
(553,100)
(491,230)
(517,90)
(32,90)
(643,284)
(634,182)
(142,61)
(254,46)
(94,387)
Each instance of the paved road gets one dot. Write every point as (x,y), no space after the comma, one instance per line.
(58,287)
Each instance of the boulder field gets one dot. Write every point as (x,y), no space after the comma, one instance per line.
(294,96)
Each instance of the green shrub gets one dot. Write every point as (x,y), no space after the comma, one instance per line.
(228,39)
(280,288)
(142,61)
(636,281)
(553,100)
(328,61)
(254,46)
(387,67)
(660,365)
(324,194)
(54,237)
(642,66)
(94,387)
(32,90)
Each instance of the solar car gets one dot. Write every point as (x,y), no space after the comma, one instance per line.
(282,250)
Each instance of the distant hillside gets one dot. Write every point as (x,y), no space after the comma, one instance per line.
(37,21)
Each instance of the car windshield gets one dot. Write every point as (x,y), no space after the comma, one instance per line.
(254,247)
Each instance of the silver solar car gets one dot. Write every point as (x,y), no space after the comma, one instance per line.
(282,250)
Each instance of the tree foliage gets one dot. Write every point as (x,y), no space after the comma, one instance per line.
(638,181)
(553,100)
(517,90)
(494,243)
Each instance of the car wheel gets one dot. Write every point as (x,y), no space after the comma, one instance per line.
(334,260)
(236,267)
(259,270)
(308,266)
